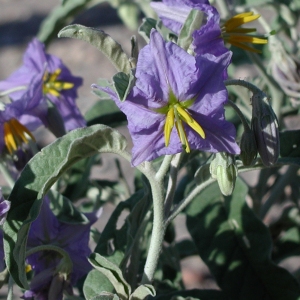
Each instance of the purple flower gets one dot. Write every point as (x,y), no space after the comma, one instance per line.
(47,265)
(19,118)
(4,208)
(210,37)
(59,85)
(175,88)
(173,13)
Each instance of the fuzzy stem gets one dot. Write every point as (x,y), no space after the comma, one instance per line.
(164,167)
(159,227)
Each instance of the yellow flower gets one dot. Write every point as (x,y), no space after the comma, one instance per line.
(239,37)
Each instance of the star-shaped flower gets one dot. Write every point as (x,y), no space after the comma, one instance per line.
(59,85)
(177,103)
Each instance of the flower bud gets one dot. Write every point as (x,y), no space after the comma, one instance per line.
(223,169)
(248,147)
(265,128)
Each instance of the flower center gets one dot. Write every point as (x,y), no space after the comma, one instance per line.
(236,36)
(15,134)
(54,86)
(176,113)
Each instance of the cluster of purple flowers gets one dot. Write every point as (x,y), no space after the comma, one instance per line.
(176,104)
(178,99)
(43,83)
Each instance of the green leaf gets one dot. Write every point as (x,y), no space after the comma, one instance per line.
(142,292)
(145,28)
(105,112)
(37,178)
(123,84)
(236,246)
(96,283)
(290,143)
(110,234)
(102,41)
(129,14)
(113,273)
(192,23)
(64,210)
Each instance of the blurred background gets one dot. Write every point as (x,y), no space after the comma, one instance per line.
(20,21)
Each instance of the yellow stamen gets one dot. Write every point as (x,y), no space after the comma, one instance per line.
(15,134)
(169,126)
(182,136)
(28,268)
(54,86)
(190,121)
(238,37)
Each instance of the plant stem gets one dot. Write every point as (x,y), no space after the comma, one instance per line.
(189,198)
(159,227)
(164,167)
(172,182)
(238,111)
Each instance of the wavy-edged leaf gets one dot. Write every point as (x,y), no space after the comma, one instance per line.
(37,178)
(142,292)
(236,246)
(113,273)
(102,41)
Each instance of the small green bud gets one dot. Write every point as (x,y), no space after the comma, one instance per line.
(223,169)
(265,128)
(248,147)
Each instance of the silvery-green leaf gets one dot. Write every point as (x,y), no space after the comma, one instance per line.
(113,273)
(193,22)
(39,175)
(142,292)
(102,41)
